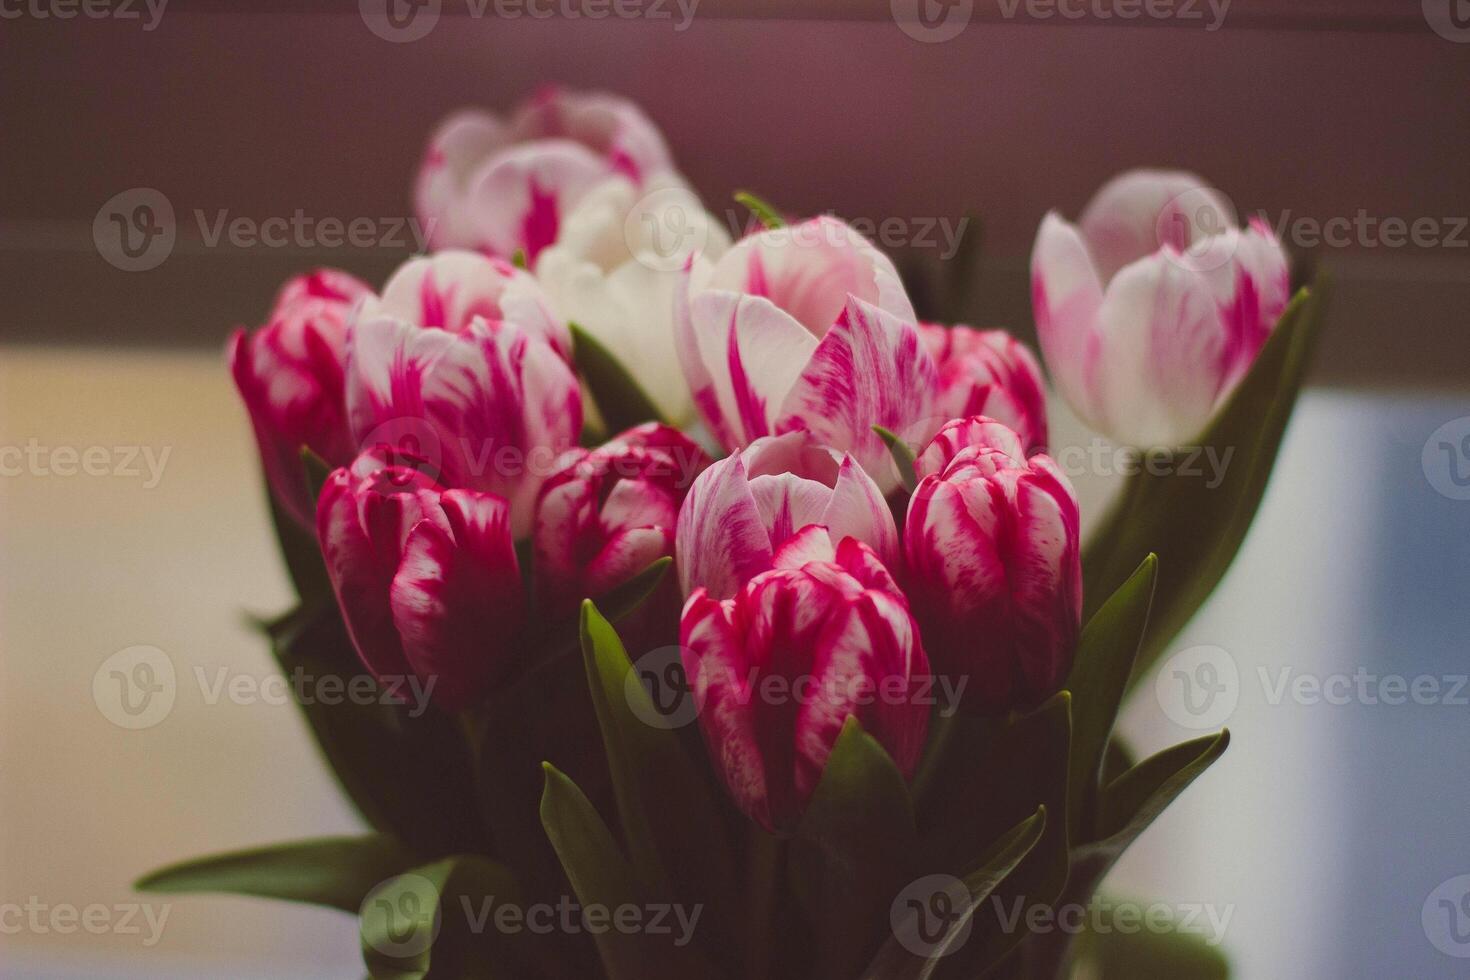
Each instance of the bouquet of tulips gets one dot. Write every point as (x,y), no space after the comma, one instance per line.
(722,617)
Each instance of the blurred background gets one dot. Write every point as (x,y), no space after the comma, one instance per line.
(1332,829)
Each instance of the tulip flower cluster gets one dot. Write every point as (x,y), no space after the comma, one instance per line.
(826,506)
(450,403)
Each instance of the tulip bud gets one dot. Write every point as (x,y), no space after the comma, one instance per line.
(805,327)
(426,578)
(990,373)
(505,186)
(289,373)
(613,270)
(743,509)
(1153,310)
(611,513)
(994,565)
(776,671)
(490,408)
(448,290)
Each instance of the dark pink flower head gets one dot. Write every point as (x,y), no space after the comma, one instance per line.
(744,508)
(777,670)
(289,374)
(994,564)
(990,373)
(805,327)
(501,186)
(611,512)
(426,578)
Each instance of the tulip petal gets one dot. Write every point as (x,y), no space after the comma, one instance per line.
(519,198)
(1140,211)
(1066,295)
(359,578)
(721,541)
(870,369)
(857,509)
(721,681)
(456,597)
(1162,353)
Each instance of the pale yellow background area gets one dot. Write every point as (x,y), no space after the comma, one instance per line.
(90,565)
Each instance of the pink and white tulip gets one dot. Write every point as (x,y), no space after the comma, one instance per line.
(805,327)
(426,578)
(503,186)
(611,513)
(744,508)
(450,289)
(994,564)
(833,632)
(1152,309)
(289,373)
(614,268)
(990,373)
(490,408)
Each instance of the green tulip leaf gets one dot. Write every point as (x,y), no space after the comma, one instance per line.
(1105,655)
(995,773)
(673,827)
(767,215)
(1197,527)
(898,962)
(337,872)
(1111,953)
(903,457)
(853,851)
(601,876)
(438,922)
(620,399)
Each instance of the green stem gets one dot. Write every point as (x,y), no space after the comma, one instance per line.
(765,874)
(941,730)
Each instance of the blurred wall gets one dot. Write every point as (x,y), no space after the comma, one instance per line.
(1315,111)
